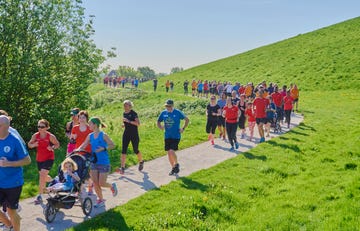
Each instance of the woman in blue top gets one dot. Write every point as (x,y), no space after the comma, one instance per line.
(99,169)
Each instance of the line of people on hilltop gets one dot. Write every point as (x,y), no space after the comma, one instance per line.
(119,81)
(237,105)
(206,88)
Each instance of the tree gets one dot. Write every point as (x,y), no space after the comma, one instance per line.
(146,72)
(127,71)
(47,61)
(176,70)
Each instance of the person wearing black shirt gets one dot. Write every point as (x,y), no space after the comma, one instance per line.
(212,113)
(131,134)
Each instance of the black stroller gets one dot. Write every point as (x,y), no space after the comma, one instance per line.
(67,199)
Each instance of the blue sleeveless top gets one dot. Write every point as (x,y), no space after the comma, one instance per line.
(99,142)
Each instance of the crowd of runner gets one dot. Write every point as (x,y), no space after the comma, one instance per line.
(230,107)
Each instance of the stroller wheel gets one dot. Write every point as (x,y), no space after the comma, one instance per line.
(50,213)
(87,206)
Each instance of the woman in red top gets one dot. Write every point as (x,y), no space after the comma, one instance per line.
(288,105)
(45,142)
(81,131)
(79,134)
(231,115)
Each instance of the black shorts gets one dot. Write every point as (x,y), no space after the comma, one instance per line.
(270,120)
(261,120)
(134,139)
(172,144)
(45,165)
(296,100)
(10,197)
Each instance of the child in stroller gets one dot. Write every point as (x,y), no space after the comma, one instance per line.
(66,190)
(272,118)
(68,167)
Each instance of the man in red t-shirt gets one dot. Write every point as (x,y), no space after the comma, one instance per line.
(260,104)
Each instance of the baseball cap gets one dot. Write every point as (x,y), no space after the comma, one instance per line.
(74,111)
(169,102)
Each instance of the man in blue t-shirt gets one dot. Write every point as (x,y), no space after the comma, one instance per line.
(171,124)
(13,156)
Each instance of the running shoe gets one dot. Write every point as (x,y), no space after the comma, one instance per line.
(176,168)
(231,149)
(141,165)
(262,139)
(38,200)
(114,189)
(171,172)
(212,142)
(99,204)
(121,170)
(236,145)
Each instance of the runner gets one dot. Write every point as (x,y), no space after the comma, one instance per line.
(242,108)
(250,114)
(131,134)
(171,118)
(260,104)
(221,120)
(100,166)
(231,115)
(288,106)
(79,134)
(13,156)
(45,143)
(212,112)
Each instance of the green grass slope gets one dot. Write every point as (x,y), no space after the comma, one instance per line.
(307,179)
(328,58)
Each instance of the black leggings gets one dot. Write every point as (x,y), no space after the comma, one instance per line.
(134,141)
(287,116)
(231,132)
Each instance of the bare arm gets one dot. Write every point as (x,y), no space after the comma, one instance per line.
(159,125)
(185,125)
(75,176)
(6,163)
(54,141)
(32,143)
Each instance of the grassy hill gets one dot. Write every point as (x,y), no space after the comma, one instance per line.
(310,177)
(327,58)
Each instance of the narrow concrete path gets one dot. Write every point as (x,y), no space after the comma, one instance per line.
(134,183)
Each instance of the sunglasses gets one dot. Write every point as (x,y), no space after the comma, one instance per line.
(41,126)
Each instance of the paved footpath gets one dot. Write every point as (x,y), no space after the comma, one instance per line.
(134,183)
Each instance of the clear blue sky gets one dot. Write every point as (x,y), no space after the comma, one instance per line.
(162,34)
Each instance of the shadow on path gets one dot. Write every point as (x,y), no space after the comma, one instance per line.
(146,184)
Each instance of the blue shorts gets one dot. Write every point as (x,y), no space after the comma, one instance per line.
(101,168)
